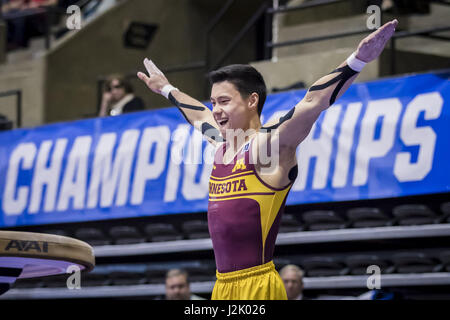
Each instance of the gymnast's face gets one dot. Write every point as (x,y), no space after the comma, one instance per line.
(177,288)
(231,111)
(293,284)
(117,90)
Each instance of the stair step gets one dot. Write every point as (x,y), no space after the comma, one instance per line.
(318,29)
(320,13)
(302,67)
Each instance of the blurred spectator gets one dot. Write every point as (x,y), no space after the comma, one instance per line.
(118,97)
(293,281)
(14,5)
(25,19)
(292,277)
(178,286)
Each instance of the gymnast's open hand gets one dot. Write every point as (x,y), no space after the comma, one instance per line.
(155,80)
(372,45)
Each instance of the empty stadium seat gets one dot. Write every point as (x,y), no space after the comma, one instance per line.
(323,220)
(205,271)
(95,279)
(289,223)
(195,229)
(128,275)
(280,262)
(93,236)
(28,283)
(415,262)
(414,214)
(162,232)
(57,281)
(368,218)
(358,264)
(445,208)
(445,260)
(126,235)
(156,275)
(321,266)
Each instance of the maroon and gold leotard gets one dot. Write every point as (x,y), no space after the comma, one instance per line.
(243,213)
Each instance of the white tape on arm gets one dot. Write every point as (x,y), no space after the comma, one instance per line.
(167,89)
(354,63)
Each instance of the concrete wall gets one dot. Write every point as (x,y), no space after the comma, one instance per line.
(75,64)
(320,29)
(27,76)
(308,68)
(321,13)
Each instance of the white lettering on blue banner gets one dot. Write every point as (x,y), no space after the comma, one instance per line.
(381,139)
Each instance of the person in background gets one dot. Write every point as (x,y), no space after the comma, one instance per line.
(25,19)
(15,5)
(118,97)
(292,277)
(178,286)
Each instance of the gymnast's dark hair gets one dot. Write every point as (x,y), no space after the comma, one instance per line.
(246,80)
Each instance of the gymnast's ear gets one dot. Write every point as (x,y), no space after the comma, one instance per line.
(252,101)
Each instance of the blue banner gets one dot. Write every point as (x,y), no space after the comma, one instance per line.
(385,138)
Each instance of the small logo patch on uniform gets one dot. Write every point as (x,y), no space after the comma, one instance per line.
(246,147)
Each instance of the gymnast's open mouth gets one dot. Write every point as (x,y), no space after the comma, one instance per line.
(222,122)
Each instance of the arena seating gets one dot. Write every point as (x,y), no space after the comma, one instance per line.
(413,214)
(445,209)
(445,258)
(126,235)
(162,232)
(340,259)
(93,236)
(415,262)
(128,275)
(98,278)
(322,266)
(357,264)
(368,217)
(323,220)
(289,223)
(195,229)
(309,220)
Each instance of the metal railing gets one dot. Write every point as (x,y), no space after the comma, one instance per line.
(18,94)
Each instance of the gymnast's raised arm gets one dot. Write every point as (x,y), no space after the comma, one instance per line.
(196,113)
(296,124)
